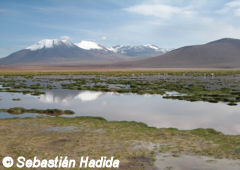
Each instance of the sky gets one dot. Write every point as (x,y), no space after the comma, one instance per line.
(166,23)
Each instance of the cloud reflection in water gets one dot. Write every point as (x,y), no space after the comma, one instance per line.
(63,97)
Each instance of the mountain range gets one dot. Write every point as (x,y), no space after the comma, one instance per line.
(223,53)
(55,51)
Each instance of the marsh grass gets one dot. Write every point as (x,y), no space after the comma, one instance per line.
(52,112)
(33,136)
(191,85)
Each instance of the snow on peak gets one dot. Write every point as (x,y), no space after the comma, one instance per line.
(123,48)
(68,43)
(89,45)
(152,46)
(115,49)
(49,43)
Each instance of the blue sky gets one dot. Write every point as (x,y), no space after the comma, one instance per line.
(166,23)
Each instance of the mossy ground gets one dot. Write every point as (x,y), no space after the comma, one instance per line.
(50,112)
(134,144)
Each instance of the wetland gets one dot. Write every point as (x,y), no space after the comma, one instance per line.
(147,119)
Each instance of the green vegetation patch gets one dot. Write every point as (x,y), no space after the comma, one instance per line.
(205,85)
(52,112)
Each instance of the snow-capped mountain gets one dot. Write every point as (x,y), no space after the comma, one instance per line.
(90,45)
(56,51)
(50,43)
(135,52)
(138,52)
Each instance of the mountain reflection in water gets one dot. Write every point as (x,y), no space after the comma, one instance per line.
(150,109)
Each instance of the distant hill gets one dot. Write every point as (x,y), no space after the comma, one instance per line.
(64,52)
(223,53)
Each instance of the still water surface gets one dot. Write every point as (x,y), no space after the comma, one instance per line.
(150,109)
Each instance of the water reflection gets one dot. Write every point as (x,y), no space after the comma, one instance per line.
(150,109)
(88,96)
(66,96)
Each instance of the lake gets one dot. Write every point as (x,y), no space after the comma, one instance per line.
(150,109)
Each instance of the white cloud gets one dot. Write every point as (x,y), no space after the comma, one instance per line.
(65,37)
(103,37)
(237,12)
(160,10)
(231,7)
(233,4)
(223,10)
(180,24)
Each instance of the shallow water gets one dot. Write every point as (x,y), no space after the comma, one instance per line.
(191,162)
(150,109)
